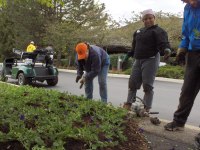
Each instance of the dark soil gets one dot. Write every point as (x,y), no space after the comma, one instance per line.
(11,145)
(4,128)
(135,140)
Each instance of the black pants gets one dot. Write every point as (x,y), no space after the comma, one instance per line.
(190,87)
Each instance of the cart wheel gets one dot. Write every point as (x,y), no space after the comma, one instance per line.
(52,82)
(22,80)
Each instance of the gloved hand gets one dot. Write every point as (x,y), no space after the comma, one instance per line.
(167,54)
(78,78)
(197,141)
(124,61)
(180,56)
(82,81)
(123,64)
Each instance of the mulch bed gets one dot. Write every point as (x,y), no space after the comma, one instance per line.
(135,140)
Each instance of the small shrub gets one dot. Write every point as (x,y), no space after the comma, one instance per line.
(168,71)
(128,71)
(64,62)
(114,60)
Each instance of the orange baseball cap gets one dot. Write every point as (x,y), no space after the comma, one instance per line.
(81,50)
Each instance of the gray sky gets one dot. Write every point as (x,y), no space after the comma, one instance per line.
(123,8)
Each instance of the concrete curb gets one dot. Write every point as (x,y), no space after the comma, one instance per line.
(185,137)
(127,76)
(9,83)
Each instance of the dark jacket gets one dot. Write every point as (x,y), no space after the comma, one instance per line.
(191,28)
(147,42)
(96,59)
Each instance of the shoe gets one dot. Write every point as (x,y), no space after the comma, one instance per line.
(127,106)
(173,126)
(197,141)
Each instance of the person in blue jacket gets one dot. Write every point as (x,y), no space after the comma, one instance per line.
(190,45)
(95,61)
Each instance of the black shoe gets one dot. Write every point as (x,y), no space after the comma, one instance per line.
(173,126)
(197,141)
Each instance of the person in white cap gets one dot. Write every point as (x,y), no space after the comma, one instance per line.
(31,47)
(147,44)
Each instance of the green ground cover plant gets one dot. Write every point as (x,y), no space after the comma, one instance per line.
(47,119)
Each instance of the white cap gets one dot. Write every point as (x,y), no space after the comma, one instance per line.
(32,42)
(148,12)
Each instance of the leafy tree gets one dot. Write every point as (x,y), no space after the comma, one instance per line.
(123,36)
(21,22)
(61,23)
(78,20)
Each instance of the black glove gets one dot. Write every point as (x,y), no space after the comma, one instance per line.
(123,64)
(78,78)
(197,140)
(180,58)
(125,61)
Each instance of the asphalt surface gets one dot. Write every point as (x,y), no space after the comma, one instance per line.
(160,139)
(166,94)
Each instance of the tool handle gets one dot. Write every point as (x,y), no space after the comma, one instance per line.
(153,112)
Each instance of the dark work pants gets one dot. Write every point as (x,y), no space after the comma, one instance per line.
(143,72)
(190,87)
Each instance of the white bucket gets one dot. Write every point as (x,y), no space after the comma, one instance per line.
(28,61)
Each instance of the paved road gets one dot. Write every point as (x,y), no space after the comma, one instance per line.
(165,97)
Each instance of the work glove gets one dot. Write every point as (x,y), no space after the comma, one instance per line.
(82,82)
(78,78)
(180,56)
(124,61)
(123,65)
(197,141)
(167,54)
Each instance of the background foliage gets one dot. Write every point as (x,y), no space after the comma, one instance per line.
(63,23)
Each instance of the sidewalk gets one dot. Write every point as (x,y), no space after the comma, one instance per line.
(158,138)
(127,76)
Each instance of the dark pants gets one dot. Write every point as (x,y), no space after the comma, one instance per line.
(190,87)
(143,72)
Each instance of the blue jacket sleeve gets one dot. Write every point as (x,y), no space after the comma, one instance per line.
(185,33)
(95,67)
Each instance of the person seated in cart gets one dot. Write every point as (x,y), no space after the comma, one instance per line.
(31,47)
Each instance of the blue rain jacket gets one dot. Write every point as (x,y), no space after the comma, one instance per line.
(191,28)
